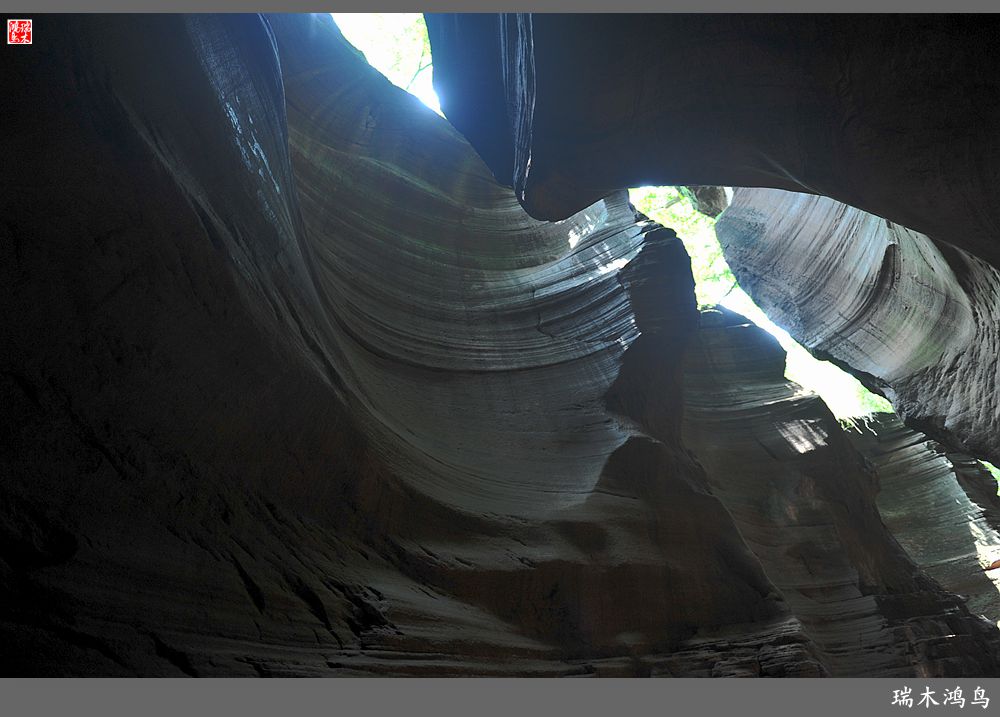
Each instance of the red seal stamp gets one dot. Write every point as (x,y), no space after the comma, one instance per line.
(18,32)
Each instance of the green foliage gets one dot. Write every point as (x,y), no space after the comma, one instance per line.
(871,402)
(669,207)
(994,471)
(715,284)
(395,44)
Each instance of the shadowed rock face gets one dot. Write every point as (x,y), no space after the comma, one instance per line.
(890,113)
(292,386)
(957,530)
(803,496)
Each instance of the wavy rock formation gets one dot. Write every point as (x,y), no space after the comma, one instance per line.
(328,373)
(913,318)
(941,506)
(804,498)
(292,386)
(891,114)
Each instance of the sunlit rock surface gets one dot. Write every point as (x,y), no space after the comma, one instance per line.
(804,498)
(940,505)
(315,394)
(915,319)
(292,386)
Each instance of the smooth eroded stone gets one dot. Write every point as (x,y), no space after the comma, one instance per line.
(293,387)
(941,506)
(912,317)
(803,497)
(894,114)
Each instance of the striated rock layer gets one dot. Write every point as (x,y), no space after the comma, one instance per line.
(940,505)
(914,318)
(803,496)
(892,114)
(314,393)
(291,386)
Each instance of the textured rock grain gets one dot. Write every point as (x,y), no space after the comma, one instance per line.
(941,506)
(291,386)
(316,395)
(914,318)
(804,499)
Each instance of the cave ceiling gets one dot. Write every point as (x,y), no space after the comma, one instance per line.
(300,378)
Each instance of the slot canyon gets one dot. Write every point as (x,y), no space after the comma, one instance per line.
(299,378)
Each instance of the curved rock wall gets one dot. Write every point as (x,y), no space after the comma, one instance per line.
(941,506)
(299,391)
(913,318)
(804,498)
(890,113)
(291,386)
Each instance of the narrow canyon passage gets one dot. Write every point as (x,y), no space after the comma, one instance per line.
(303,378)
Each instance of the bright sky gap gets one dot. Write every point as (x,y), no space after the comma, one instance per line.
(396,45)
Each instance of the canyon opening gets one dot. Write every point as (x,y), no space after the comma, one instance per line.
(500,345)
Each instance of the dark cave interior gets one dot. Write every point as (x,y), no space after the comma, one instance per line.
(300,378)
